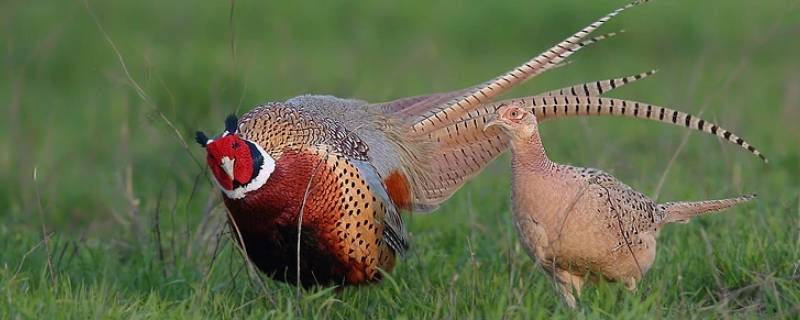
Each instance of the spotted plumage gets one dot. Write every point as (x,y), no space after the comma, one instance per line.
(275,126)
(347,168)
(580,222)
(346,219)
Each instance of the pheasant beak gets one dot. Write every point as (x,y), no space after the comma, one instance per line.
(227,166)
(492,122)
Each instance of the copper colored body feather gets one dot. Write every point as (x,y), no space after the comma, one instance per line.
(579,222)
(350,226)
(342,229)
(346,168)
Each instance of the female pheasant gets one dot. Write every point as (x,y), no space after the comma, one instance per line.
(342,169)
(578,222)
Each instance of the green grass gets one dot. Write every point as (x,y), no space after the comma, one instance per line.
(134,223)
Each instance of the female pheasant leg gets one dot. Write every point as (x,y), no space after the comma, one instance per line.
(567,284)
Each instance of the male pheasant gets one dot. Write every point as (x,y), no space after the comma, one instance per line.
(578,222)
(342,169)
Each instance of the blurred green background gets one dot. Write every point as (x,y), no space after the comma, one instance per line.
(111,169)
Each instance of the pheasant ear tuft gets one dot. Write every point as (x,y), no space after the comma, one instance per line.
(231,123)
(201,138)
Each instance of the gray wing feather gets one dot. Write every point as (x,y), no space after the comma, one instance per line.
(394,231)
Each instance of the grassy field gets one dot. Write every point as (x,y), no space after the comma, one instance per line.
(135,228)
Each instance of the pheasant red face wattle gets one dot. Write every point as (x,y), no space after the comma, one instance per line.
(239,165)
(232,152)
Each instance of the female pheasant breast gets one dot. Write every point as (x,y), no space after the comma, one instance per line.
(349,226)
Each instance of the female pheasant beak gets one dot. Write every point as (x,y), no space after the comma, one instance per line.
(494,120)
(491,123)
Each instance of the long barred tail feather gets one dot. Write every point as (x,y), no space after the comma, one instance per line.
(584,43)
(556,107)
(597,88)
(565,106)
(410,108)
(454,109)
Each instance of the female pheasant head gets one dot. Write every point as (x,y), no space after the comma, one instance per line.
(514,120)
(239,165)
